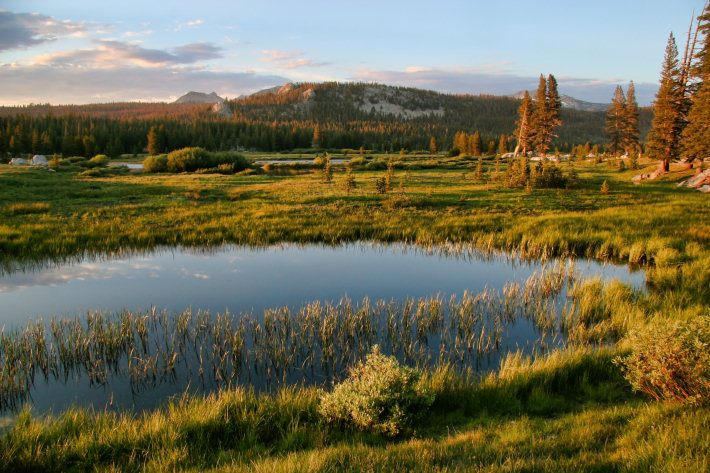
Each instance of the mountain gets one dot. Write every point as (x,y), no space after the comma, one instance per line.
(199,97)
(576,104)
(570,102)
(367,106)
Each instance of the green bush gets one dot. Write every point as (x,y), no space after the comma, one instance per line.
(99,160)
(379,395)
(188,160)
(157,163)
(234,161)
(192,159)
(670,360)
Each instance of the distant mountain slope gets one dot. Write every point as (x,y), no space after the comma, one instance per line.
(570,102)
(199,97)
(429,111)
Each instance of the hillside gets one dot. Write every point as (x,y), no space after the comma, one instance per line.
(349,115)
(570,102)
(431,112)
(199,97)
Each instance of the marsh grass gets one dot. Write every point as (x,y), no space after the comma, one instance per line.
(565,412)
(142,211)
(282,346)
(566,409)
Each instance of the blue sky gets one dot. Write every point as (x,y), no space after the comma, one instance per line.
(83,52)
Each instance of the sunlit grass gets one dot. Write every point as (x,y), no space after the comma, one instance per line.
(564,410)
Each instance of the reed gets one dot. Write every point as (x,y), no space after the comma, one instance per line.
(283,345)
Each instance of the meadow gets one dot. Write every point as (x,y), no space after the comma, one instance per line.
(570,409)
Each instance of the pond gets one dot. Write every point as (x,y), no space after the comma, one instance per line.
(131,330)
(298,161)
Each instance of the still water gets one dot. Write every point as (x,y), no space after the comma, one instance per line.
(242,280)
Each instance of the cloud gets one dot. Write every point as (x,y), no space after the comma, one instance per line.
(23,30)
(289,59)
(38,84)
(189,24)
(61,275)
(113,54)
(490,80)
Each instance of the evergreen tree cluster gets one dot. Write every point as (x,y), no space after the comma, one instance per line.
(325,116)
(681,120)
(695,138)
(622,121)
(537,122)
(471,145)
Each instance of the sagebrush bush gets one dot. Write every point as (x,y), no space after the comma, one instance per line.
(188,160)
(157,163)
(100,160)
(379,395)
(194,159)
(670,361)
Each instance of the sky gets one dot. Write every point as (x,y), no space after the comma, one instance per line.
(76,51)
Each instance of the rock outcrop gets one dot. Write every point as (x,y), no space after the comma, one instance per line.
(199,97)
(700,181)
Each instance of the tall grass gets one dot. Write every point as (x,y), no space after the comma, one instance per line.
(564,412)
(281,346)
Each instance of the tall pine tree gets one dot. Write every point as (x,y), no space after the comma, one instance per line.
(615,121)
(540,117)
(524,130)
(667,120)
(546,116)
(554,104)
(695,140)
(631,121)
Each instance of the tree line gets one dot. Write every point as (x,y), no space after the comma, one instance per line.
(681,122)
(281,122)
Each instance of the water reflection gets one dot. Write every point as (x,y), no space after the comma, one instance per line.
(435,305)
(242,279)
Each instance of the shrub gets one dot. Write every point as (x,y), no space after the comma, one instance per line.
(357,161)
(381,185)
(237,161)
(670,360)
(379,395)
(188,160)
(99,160)
(605,187)
(157,163)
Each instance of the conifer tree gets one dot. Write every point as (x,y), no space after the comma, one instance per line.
(524,123)
(153,148)
(695,140)
(317,138)
(476,144)
(540,116)
(615,120)
(554,104)
(546,116)
(631,121)
(667,125)
(503,144)
(479,169)
(432,146)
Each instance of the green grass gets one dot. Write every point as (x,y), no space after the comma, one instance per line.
(568,411)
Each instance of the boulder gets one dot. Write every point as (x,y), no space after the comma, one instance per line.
(699,179)
(39,160)
(221,108)
(19,162)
